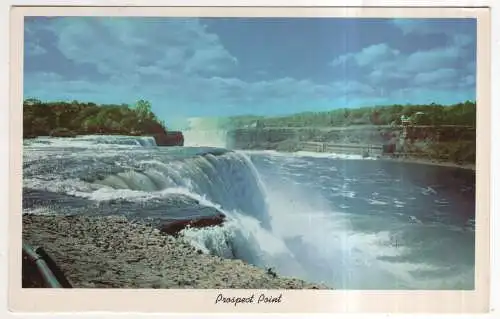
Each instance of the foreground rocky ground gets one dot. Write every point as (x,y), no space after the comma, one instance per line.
(111,252)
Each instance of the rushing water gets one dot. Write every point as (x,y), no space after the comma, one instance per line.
(348,222)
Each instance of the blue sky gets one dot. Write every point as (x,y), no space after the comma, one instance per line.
(228,66)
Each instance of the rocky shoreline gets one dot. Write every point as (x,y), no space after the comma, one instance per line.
(112,252)
(405,159)
(413,160)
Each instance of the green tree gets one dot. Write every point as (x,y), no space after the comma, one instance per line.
(71,118)
(143,110)
(32,101)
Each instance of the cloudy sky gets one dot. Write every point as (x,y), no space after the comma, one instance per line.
(211,67)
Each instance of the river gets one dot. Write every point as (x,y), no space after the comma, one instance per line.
(348,222)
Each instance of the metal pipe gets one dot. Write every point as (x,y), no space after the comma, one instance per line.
(48,276)
(58,273)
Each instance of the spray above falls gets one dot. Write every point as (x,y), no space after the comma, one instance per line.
(211,132)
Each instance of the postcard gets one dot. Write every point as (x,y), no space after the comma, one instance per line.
(250,159)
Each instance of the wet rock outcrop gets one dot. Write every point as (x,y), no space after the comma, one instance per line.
(174,227)
(170,138)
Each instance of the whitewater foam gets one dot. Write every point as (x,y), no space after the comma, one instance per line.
(307,154)
(274,222)
(243,237)
(203,132)
(230,180)
(92,141)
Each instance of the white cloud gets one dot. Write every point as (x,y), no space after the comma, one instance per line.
(342,59)
(180,60)
(32,45)
(375,53)
(32,49)
(432,59)
(197,89)
(382,65)
(116,45)
(463,40)
(381,57)
(437,77)
(367,56)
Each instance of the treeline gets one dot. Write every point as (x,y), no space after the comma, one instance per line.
(463,114)
(77,118)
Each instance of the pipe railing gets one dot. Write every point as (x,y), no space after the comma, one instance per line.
(51,275)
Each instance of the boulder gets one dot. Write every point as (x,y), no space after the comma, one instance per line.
(174,227)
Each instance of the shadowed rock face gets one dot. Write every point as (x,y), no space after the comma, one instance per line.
(287,139)
(274,137)
(174,227)
(172,138)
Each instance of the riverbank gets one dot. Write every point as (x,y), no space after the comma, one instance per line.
(413,160)
(112,252)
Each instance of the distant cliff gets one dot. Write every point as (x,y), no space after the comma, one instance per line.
(433,132)
(69,119)
(446,143)
(286,138)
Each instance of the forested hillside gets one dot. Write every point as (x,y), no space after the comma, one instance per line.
(76,118)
